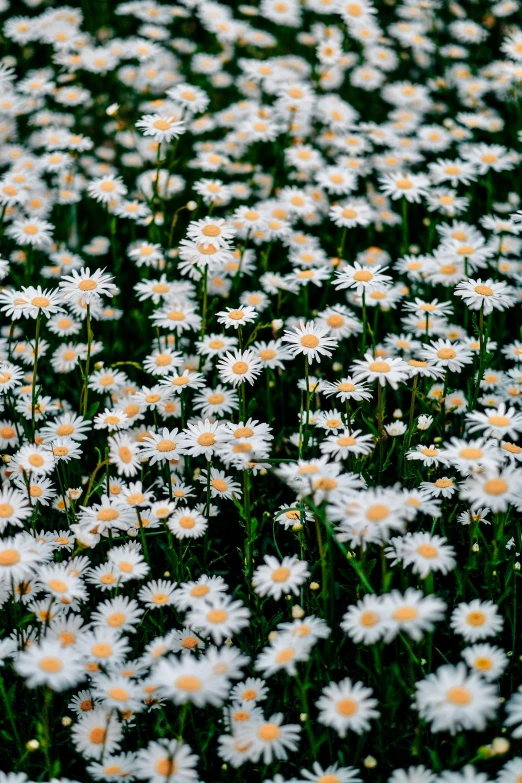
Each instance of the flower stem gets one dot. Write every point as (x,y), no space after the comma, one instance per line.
(35,369)
(85,389)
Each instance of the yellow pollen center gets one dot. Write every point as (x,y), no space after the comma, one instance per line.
(380,367)
(166,445)
(484,290)
(459,696)
(280,574)
(427,551)
(377,513)
(217,616)
(496,486)
(189,683)
(51,665)
(347,707)
(268,732)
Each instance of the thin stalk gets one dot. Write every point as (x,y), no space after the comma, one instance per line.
(85,389)
(11,718)
(35,369)
(412,410)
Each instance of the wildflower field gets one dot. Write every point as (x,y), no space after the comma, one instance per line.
(260,391)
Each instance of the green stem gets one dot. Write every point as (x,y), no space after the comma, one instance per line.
(11,718)
(85,389)
(35,369)
(412,410)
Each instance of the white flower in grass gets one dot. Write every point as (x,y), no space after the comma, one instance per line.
(311,340)
(347,706)
(452,699)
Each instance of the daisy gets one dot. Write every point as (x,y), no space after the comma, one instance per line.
(164,445)
(425,553)
(428,455)
(452,700)
(487,295)
(161,128)
(116,768)
(97,732)
(346,706)
(412,612)
(82,286)
(333,773)
(476,620)
(10,375)
(366,621)
(190,679)
(240,367)
(31,231)
(496,490)
(105,189)
(346,389)
(486,659)
(347,442)
(220,484)
(269,739)
(111,420)
(220,619)
(446,354)
(310,340)
(13,508)
(125,453)
(48,663)
(411,186)
(238,317)
(283,653)
(117,692)
(496,422)
(205,590)
(119,614)
(280,578)
(35,460)
(361,279)
(218,401)
(216,344)
(64,449)
(166,761)
(471,456)
(186,523)
(351,214)
(253,689)
(514,714)
(392,370)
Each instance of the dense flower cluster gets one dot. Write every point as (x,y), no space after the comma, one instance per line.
(260,391)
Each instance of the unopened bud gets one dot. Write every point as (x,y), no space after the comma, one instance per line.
(314,585)
(500,745)
(66,721)
(192,205)
(370,762)
(297,612)
(32,745)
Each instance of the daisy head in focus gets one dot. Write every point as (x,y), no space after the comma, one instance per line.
(311,340)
